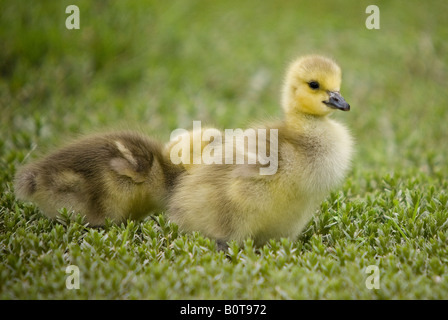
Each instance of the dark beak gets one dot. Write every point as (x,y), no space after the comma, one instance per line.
(336,101)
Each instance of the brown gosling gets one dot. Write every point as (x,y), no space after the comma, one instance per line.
(121,175)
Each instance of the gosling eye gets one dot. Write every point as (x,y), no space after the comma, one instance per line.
(313,85)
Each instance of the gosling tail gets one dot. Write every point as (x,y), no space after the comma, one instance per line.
(25,183)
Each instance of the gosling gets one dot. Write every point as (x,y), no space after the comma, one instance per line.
(235,202)
(120,176)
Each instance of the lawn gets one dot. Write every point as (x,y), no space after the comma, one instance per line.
(159,65)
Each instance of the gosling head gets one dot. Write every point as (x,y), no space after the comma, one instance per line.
(312,87)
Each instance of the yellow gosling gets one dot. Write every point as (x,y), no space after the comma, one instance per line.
(236,202)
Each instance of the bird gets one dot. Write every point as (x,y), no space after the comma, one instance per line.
(231,201)
(117,175)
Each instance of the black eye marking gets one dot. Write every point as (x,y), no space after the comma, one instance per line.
(313,85)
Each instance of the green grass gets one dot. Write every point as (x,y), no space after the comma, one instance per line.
(160,65)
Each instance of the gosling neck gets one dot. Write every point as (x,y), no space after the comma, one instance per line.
(297,121)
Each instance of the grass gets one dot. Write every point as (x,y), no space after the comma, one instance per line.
(159,66)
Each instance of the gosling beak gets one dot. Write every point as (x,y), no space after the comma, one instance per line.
(336,101)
